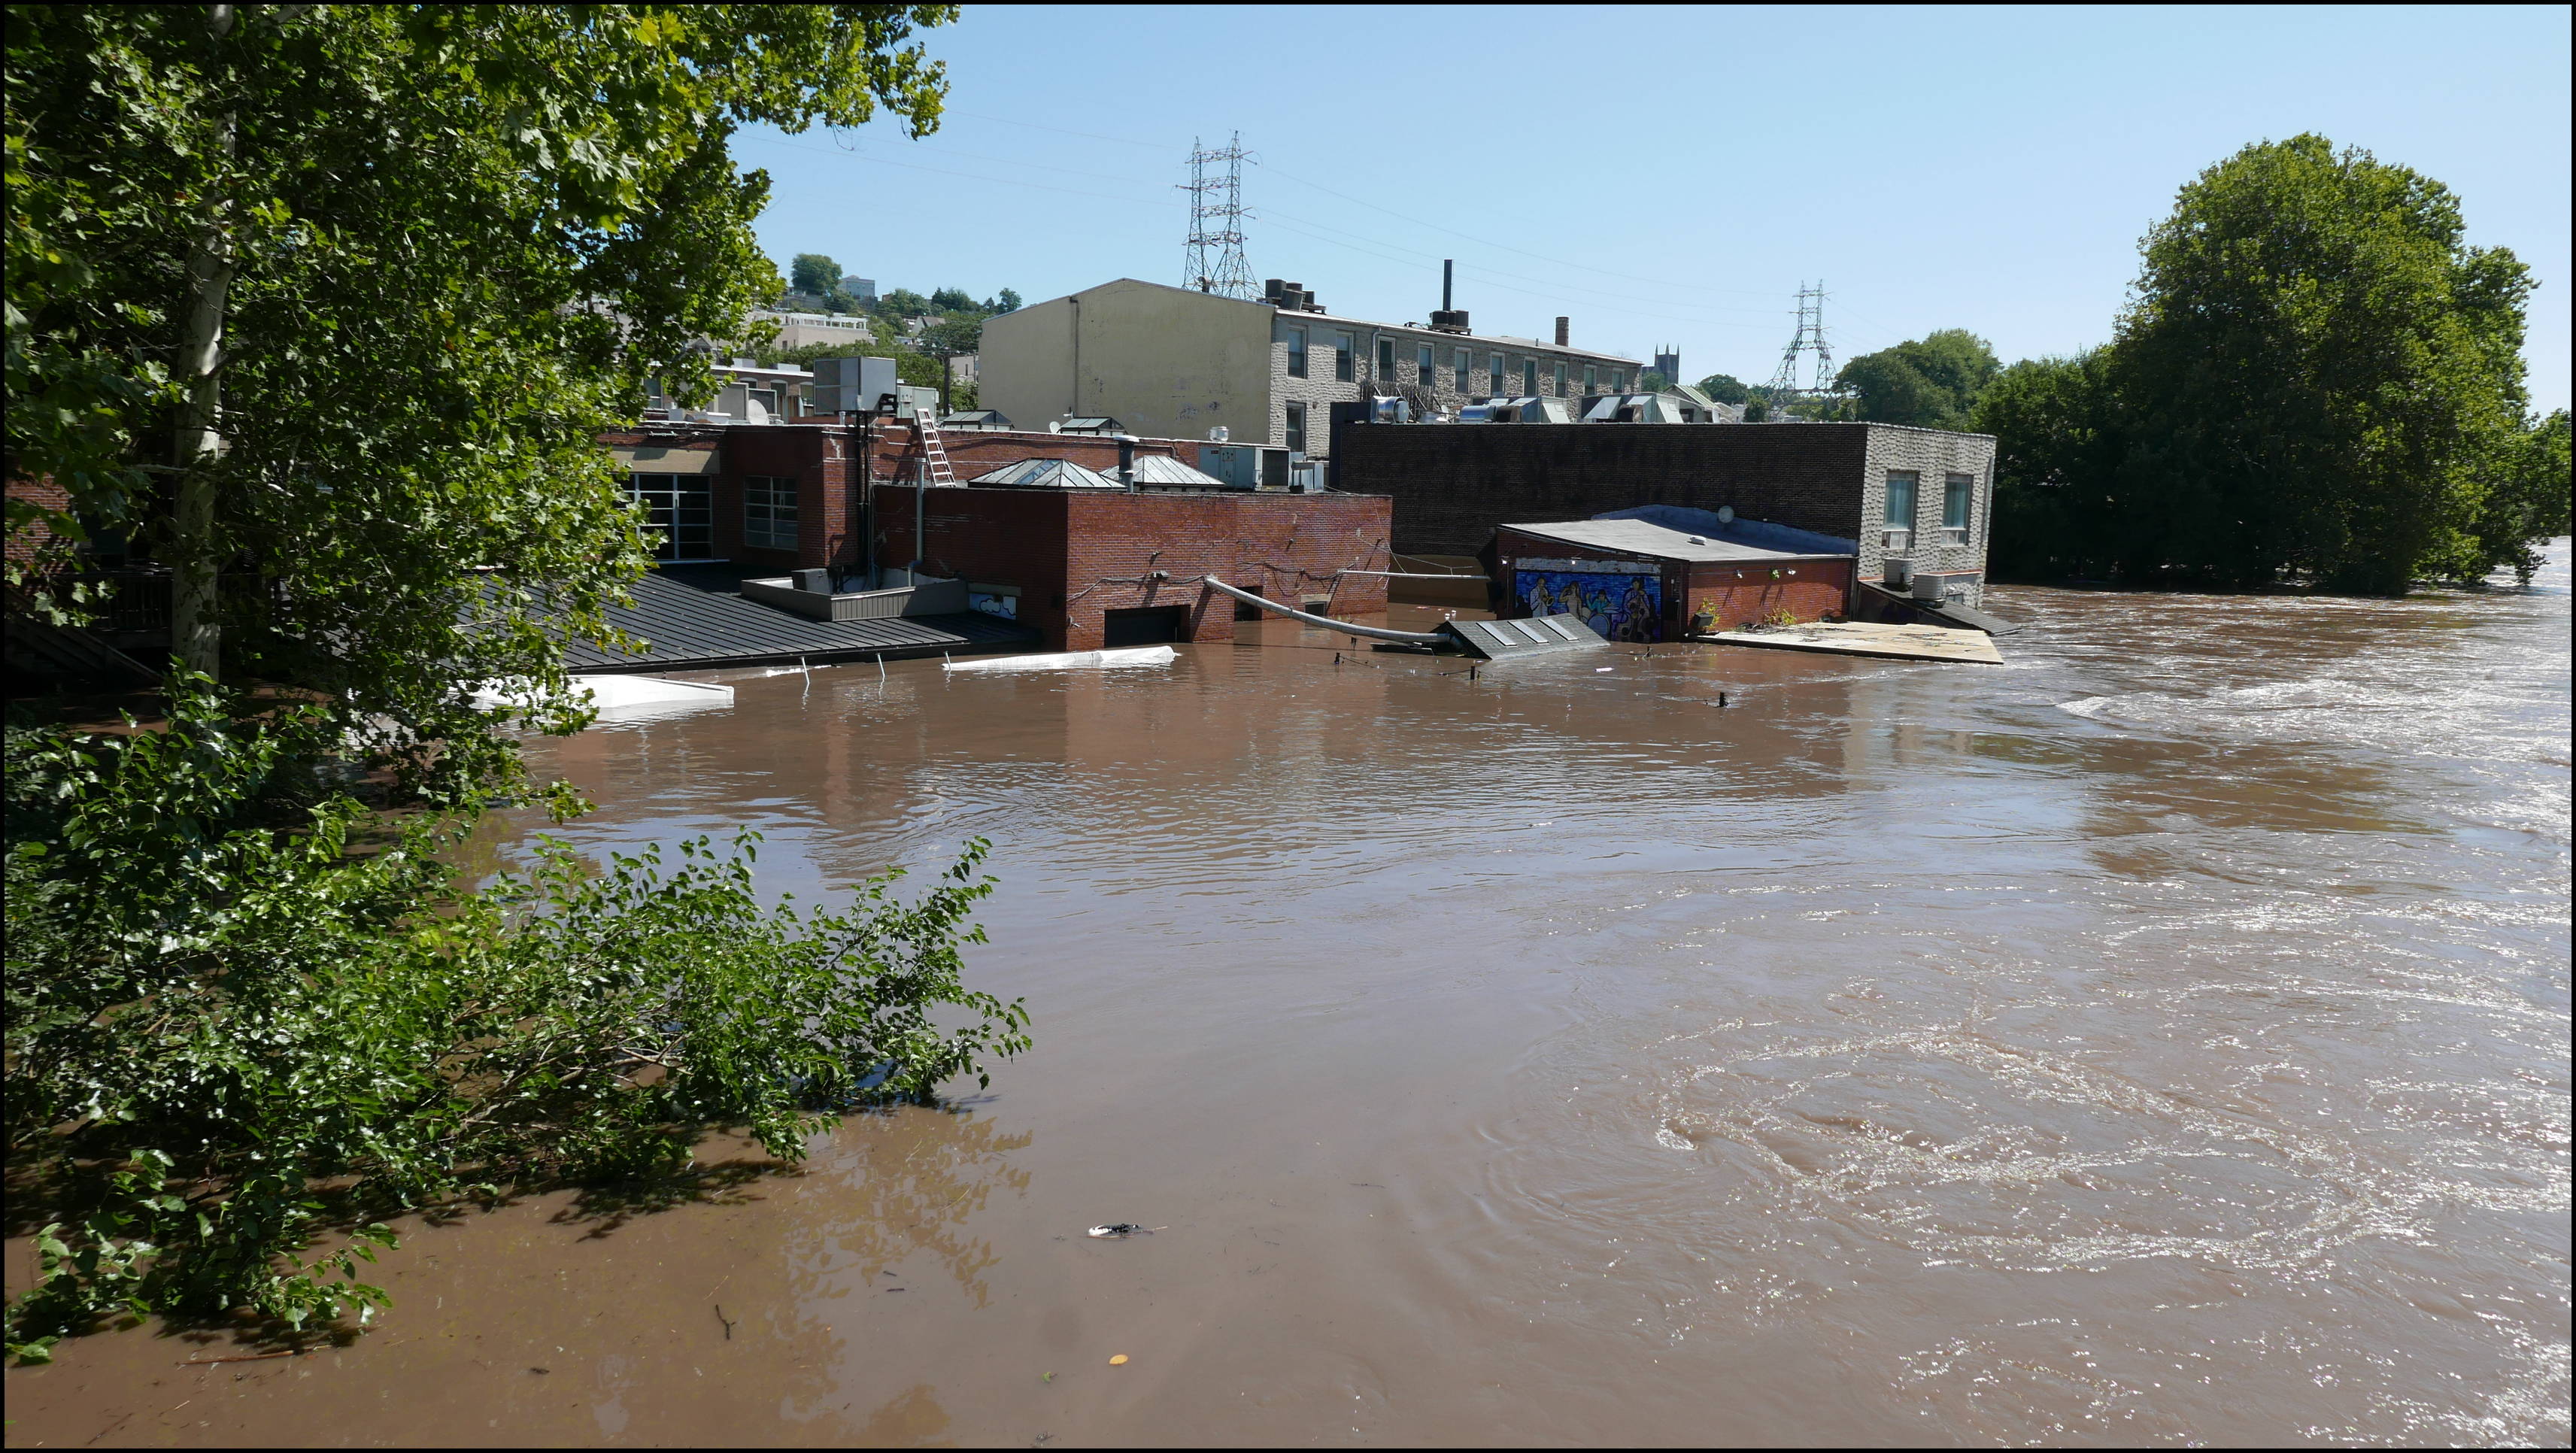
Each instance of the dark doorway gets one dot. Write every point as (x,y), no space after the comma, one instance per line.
(1245,610)
(1152,626)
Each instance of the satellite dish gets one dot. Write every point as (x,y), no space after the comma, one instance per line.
(1726,514)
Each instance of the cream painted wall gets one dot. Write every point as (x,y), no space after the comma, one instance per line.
(1166,362)
(1027,360)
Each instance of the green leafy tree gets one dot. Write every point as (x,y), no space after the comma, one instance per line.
(1008,302)
(2317,368)
(952,300)
(812,272)
(1726,388)
(2058,449)
(2523,499)
(899,304)
(228,1036)
(323,306)
(1933,381)
(958,333)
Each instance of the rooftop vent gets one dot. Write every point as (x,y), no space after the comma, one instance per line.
(1289,297)
(1448,318)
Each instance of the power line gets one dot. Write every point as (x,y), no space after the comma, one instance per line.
(1505,246)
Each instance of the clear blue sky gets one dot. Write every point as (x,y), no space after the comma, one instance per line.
(1669,176)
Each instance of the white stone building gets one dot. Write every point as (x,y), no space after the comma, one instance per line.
(1172,363)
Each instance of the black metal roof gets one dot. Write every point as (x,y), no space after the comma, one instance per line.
(695,620)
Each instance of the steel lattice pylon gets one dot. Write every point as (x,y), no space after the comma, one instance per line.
(1216,262)
(1810,337)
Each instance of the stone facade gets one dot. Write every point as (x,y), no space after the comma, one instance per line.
(1561,372)
(1454,485)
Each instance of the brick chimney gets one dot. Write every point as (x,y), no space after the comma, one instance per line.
(1562,325)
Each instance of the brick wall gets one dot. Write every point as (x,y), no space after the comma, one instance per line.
(1741,595)
(1076,556)
(895,450)
(37,544)
(1808,588)
(1453,485)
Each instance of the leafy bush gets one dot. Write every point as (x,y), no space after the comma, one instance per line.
(245,1015)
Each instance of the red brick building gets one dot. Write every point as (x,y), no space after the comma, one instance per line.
(780,497)
(1094,568)
(1633,580)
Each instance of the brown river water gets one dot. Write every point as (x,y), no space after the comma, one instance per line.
(2161,1037)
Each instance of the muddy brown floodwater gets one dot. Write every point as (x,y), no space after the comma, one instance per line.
(2162,1037)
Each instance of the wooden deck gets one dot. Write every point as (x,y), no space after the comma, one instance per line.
(1863,638)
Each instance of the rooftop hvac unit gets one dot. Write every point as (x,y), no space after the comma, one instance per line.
(1931,588)
(1897,572)
(852,385)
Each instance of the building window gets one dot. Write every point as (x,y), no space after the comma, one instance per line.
(1424,370)
(1297,428)
(768,512)
(1386,360)
(1494,374)
(1529,376)
(1899,515)
(679,514)
(1560,380)
(1618,382)
(1466,365)
(1296,353)
(1956,491)
(1345,366)
(1591,379)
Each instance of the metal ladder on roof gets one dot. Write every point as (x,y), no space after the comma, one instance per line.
(934,453)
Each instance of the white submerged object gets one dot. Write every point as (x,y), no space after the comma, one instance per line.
(618,695)
(1075,660)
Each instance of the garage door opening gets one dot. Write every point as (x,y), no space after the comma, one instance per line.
(1153,626)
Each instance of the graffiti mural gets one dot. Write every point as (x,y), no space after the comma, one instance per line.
(1619,607)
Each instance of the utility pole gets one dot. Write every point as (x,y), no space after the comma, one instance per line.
(1215,262)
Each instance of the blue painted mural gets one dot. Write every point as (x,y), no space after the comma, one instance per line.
(1619,607)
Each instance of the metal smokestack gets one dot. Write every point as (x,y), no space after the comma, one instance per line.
(1127,462)
(1448,273)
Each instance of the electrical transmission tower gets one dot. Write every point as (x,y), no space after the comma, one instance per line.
(1216,262)
(1809,338)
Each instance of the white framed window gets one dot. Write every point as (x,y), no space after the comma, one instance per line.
(1345,365)
(1386,359)
(1296,353)
(1296,432)
(1592,378)
(1898,515)
(1958,493)
(1560,380)
(1424,370)
(1494,374)
(768,512)
(1465,363)
(679,514)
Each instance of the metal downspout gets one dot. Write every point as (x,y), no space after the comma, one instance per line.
(1410,638)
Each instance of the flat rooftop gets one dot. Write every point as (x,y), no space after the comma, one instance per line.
(1639,537)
